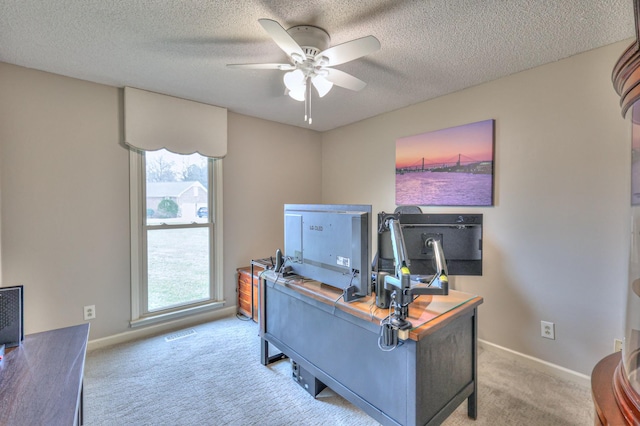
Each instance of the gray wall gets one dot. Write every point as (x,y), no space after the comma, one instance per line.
(262,172)
(64,197)
(556,241)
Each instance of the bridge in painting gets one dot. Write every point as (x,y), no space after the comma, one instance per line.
(457,164)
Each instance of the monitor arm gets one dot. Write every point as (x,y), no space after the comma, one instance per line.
(401,287)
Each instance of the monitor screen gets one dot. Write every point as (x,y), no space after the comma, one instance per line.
(330,243)
(460,236)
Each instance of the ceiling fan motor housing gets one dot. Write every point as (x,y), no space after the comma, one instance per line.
(312,40)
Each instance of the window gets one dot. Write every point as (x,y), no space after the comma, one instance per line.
(176,235)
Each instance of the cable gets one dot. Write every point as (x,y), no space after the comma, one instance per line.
(344,291)
(372,308)
(386,322)
(383,323)
(242,317)
(335,302)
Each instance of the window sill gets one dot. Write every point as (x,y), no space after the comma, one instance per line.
(173,315)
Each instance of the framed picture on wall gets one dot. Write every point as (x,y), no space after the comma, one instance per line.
(448,167)
(635,156)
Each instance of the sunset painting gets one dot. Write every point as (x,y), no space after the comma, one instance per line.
(448,167)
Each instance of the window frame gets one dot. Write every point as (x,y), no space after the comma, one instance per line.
(140,316)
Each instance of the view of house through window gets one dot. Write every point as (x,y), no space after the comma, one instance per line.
(178,230)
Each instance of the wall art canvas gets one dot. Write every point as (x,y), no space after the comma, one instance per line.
(635,156)
(448,167)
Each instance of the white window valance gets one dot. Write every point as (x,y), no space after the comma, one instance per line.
(153,121)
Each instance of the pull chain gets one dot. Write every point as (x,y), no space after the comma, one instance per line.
(307,103)
(309,95)
(306,99)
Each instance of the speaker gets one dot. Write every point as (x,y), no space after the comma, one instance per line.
(11,316)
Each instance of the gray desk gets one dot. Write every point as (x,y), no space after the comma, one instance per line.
(333,342)
(41,380)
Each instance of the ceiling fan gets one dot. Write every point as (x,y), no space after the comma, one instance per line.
(311,60)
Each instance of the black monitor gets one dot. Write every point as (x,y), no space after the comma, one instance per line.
(11,315)
(330,243)
(460,236)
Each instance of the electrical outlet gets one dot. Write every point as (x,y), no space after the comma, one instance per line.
(548,330)
(617,345)
(89,312)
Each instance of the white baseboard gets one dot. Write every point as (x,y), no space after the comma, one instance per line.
(538,364)
(138,333)
(152,330)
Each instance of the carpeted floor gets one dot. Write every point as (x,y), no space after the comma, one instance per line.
(214,377)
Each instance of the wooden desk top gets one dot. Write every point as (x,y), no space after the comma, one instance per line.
(427,313)
(41,380)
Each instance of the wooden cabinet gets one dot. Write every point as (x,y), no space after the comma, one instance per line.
(248,280)
(626,72)
(615,380)
(604,394)
(248,291)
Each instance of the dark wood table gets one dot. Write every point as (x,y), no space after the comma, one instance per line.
(41,380)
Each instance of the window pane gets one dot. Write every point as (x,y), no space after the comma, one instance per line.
(177,187)
(177,266)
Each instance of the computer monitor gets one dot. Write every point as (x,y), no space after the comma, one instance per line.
(11,315)
(460,236)
(330,243)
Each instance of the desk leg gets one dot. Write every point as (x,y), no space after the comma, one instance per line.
(81,406)
(264,352)
(472,401)
(472,404)
(265,359)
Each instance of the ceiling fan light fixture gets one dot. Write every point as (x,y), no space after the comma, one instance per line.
(294,79)
(298,94)
(322,85)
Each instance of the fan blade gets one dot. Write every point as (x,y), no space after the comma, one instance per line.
(283,67)
(281,37)
(349,50)
(342,79)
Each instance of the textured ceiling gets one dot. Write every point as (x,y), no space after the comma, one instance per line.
(180,48)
